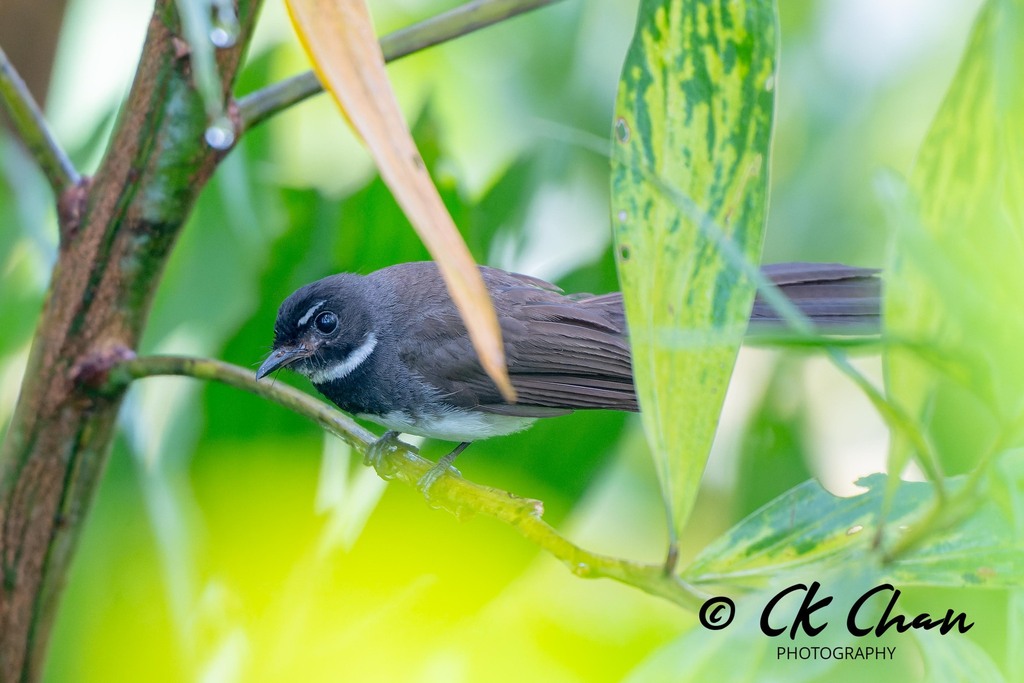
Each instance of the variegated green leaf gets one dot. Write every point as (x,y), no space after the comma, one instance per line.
(809,529)
(690,162)
(956,282)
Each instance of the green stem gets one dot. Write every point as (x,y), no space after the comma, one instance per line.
(947,511)
(30,125)
(257,107)
(453,493)
(944,512)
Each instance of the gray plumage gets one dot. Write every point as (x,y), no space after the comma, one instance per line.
(400,353)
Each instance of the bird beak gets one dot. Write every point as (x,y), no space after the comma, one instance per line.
(279,359)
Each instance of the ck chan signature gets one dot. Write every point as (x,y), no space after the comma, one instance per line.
(717,613)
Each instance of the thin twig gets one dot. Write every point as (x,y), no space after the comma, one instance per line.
(400,462)
(257,107)
(30,125)
(949,510)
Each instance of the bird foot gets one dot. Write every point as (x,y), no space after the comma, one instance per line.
(442,467)
(433,474)
(374,456)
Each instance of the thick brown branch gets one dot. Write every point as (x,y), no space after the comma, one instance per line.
(107,271)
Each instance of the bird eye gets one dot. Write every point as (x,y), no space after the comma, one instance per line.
(326,322)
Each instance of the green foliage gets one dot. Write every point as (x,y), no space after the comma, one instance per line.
(694,111)
(809,530)
(953,660)
(685,146)
(807,535)
(214,545)
(956,271)
(773,453)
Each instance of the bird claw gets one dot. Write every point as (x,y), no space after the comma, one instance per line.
(442,466)
(433,474)
(374,456)
(389,441)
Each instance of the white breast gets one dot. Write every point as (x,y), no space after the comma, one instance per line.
(452,424)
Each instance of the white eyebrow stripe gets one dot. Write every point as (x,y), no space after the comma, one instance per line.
(309,314)
(345,367)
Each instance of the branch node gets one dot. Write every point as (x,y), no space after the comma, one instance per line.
(71,208)
(234,115)
(580,569)
(181,47)
(93,370)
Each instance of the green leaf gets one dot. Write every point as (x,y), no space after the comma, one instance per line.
(959,245)
(693,114)
(954,660)
(809,527)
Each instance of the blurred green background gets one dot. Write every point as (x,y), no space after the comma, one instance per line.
(230,541)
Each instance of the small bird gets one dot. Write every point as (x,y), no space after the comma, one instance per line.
(391,347)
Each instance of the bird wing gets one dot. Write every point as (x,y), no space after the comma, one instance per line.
(563,353)
(571,352)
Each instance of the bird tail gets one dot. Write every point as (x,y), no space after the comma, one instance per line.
(838,299)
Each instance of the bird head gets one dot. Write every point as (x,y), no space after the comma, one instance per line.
(324,330)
